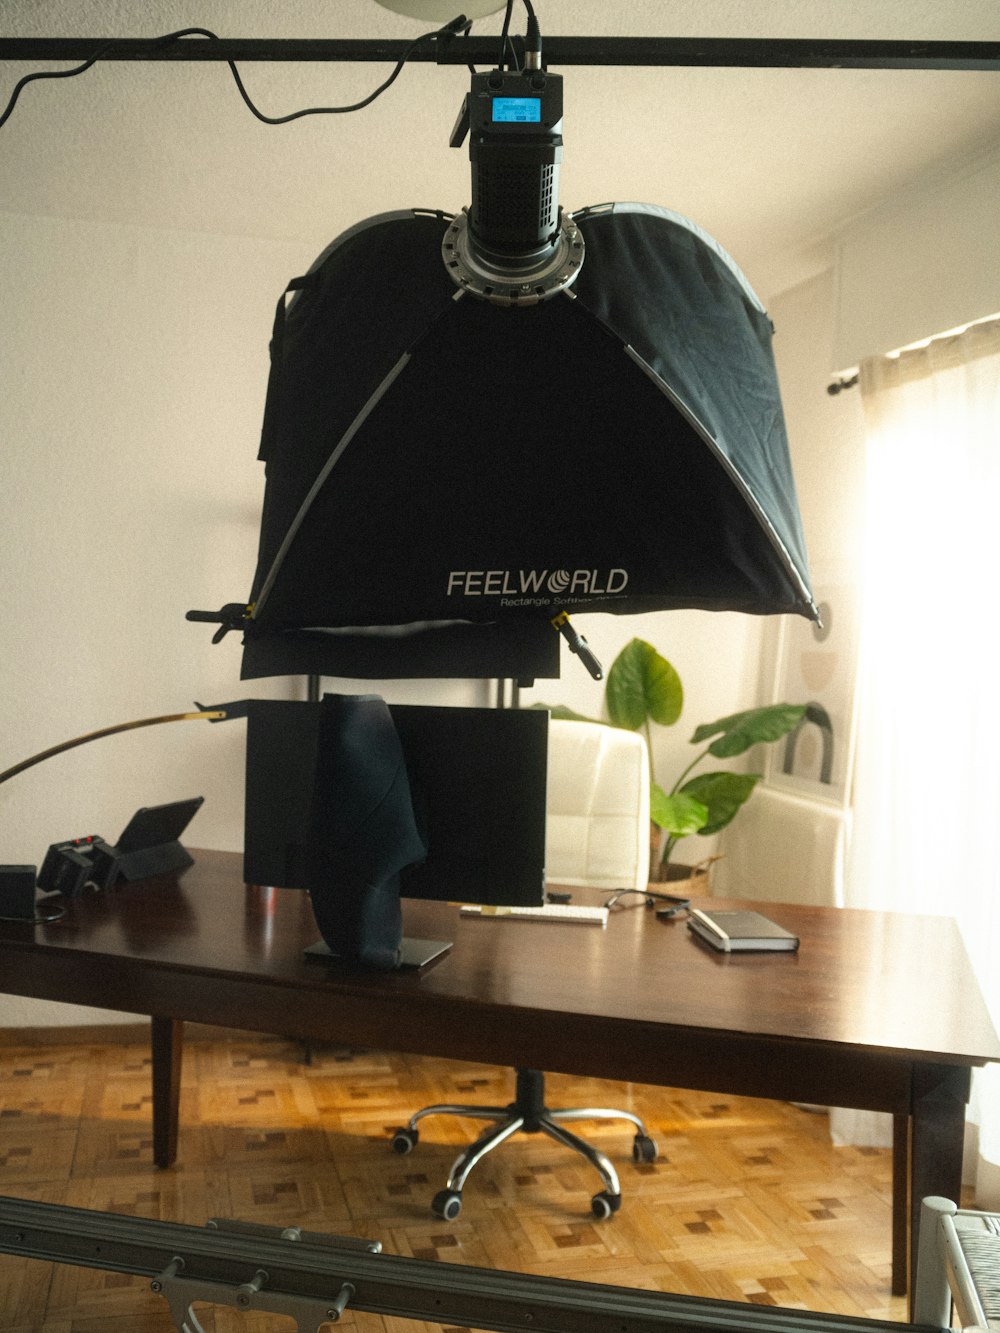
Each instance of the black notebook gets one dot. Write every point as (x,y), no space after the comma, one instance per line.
(741,932)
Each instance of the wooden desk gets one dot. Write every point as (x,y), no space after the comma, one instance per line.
(876,1010)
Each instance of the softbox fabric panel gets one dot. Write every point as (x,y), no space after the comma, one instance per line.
(444,475)
(674,295)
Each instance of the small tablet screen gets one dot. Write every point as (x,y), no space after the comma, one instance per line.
(154,825)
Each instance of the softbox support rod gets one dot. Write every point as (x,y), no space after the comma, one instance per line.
(738,52)
(215,715)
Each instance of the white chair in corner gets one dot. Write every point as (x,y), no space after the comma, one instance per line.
(597,835)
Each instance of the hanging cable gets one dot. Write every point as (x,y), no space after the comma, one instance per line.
(46,74)
(504,32)
(456,25)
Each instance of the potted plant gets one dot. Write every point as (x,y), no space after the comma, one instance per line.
(643,688)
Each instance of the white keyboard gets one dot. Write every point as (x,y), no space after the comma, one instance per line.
(594,916)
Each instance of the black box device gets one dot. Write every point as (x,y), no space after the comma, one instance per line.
(17,893)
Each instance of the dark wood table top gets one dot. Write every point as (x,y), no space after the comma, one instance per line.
(882,982)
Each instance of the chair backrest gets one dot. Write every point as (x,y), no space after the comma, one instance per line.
(597,808)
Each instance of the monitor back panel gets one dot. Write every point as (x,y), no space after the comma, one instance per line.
(478,783)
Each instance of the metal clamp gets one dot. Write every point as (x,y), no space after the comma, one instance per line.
(310,1313)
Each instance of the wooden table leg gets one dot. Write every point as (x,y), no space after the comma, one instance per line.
(900,1201)
(168,1046)
(937,1137)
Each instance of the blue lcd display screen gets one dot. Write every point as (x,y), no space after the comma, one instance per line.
(519,110)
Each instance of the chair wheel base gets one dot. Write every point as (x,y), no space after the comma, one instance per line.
(447,1204)
(405,1140)
(643,1148)
(603,1205)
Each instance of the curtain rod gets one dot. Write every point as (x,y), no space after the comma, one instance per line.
(740,52)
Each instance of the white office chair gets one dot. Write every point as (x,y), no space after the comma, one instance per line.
(597,835)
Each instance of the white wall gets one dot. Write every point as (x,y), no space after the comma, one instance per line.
(134,371)
(825,431)
(921,264)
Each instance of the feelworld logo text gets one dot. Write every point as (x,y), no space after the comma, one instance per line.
(514,586)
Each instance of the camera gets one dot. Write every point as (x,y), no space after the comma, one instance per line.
(69,866)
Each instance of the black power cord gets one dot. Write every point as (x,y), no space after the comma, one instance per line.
(505,41)
(504,33)
(456,25)
(46,74)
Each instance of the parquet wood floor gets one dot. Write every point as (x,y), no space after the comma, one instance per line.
(747,1201)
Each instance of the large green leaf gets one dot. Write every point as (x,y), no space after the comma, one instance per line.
(721,794)
(680,815)
(641,685)
(739,731)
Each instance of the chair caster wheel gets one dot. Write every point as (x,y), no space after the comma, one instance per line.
(643,1148)
(404,1141)
(604,1204)
(447,1204)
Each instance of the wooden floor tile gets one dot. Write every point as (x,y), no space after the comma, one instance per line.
(748,1200)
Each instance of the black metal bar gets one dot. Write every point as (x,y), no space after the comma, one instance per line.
(317,1267)
(745,52)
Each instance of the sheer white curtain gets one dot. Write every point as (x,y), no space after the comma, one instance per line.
(927,784)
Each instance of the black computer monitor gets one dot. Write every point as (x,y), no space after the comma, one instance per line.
(477,780)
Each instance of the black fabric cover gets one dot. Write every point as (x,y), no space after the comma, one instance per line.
(518,650)
(620,451)
(362,831)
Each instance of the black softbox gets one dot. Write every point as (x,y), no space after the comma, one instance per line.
(445,475)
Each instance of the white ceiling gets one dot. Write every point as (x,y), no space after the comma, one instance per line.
(771,162)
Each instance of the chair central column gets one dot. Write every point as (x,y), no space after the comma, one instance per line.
(530,1098)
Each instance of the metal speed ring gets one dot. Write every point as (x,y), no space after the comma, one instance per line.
(523,281)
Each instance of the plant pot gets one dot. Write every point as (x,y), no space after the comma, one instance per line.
(689,881)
